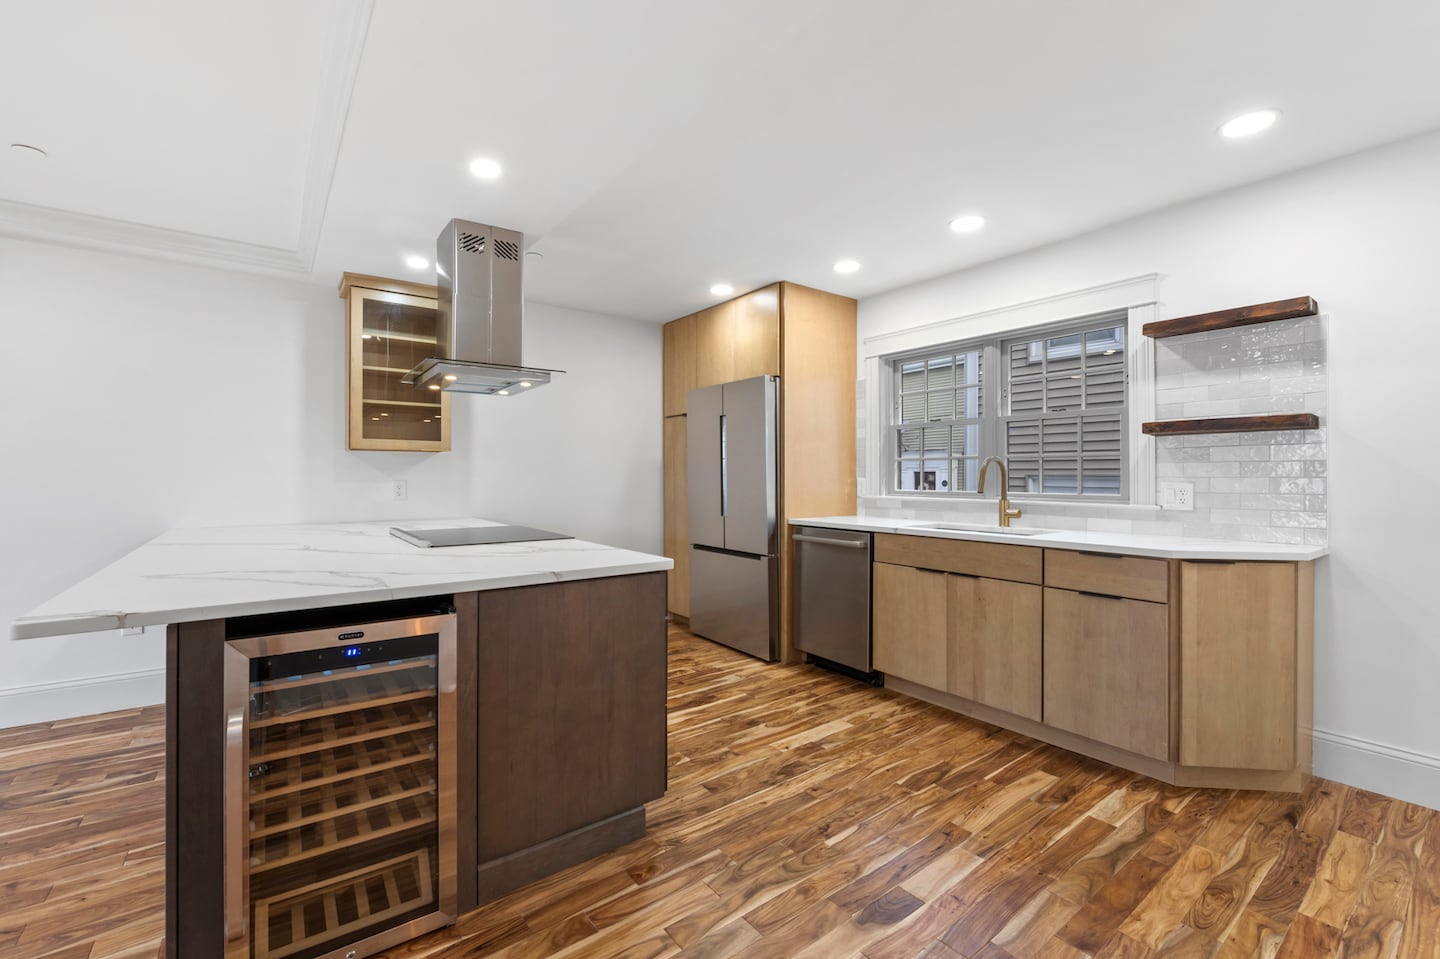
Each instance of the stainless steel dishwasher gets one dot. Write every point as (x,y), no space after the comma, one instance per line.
(832,607)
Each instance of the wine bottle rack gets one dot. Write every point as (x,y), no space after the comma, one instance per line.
(326,911)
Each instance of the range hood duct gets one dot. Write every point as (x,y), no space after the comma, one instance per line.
(478,276)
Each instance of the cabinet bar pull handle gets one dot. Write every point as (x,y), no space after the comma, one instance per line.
(1088,552)
(1101,595)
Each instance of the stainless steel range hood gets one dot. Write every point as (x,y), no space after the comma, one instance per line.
(478,275)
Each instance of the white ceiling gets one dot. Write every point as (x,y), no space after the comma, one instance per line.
(652,148)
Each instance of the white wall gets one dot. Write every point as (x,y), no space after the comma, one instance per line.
(141,395)
(583,454)
(1358,234)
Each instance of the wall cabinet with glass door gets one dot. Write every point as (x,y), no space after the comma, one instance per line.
(391,326)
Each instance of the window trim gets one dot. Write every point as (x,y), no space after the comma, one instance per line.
(1137,295)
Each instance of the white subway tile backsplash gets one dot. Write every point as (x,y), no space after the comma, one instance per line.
(1240,453)
(1209,439)
(1211,377)
(1271,501)
(1212,408)
(1226,484)
(1240,389)
(1314,485)
(1226,468)
(1241,517)
(1300,518)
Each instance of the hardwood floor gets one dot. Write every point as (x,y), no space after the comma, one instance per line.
(807,816)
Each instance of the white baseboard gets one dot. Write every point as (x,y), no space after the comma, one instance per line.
(47,702)
(1389,770)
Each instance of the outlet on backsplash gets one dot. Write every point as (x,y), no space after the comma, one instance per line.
(1177,495)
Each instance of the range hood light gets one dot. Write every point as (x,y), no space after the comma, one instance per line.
(524,382)
(502,392)
(451,377)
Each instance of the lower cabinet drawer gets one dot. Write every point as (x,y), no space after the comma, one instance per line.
(1107,670)
(1134,577)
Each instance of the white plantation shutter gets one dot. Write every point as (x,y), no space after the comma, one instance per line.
(1060,423)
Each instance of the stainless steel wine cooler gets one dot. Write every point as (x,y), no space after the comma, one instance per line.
(340,788)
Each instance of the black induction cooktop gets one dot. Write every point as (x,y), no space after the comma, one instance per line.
(474,535)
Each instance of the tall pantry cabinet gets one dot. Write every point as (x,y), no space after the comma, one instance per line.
(807,338)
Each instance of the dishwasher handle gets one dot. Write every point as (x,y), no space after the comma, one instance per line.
(826,541)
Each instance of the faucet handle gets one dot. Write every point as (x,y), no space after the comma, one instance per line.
(1012,513)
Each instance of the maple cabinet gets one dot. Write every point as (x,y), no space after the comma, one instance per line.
(939,624)
(1196,672)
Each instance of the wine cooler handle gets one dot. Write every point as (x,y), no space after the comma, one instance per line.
(236,845)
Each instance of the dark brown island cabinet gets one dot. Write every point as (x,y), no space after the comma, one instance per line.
(552,741)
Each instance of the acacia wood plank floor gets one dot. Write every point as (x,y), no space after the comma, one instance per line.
(807,816)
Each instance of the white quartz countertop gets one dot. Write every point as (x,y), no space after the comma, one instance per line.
(193,574)
(1133,544)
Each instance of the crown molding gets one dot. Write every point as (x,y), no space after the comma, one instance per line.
(345,44)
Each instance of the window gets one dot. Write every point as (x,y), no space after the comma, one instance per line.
(1059,421)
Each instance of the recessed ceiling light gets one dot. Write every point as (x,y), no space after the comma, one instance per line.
(846,266)
(1249,124)
(722,289)
(434,386)
(968,223)
(485,168)
(417,262)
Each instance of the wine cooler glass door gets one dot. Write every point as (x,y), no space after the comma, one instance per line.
(340,789)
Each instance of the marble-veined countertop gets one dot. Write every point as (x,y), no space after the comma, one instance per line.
(1132,544)
(186,575)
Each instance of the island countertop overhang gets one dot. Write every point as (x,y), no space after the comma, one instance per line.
(188,575)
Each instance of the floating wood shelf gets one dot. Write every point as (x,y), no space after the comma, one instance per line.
(1241,316)
(1233,424)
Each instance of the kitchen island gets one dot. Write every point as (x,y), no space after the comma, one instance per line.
(558,692)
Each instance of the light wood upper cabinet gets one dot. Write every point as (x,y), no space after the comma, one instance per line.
(909,614)
(1238,650)
(1107,670)
(738,339)
(995,643)
(677,520)
(391,326)
(715,345)
(679,368)
(755,322)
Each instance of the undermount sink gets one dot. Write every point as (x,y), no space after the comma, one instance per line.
(987,530)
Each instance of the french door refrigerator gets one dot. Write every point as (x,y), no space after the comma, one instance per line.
(731,434)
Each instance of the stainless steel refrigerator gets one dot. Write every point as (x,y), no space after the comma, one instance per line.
(734,592)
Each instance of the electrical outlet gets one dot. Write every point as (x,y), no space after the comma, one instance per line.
(133,631)
(399,490)
(1177,495)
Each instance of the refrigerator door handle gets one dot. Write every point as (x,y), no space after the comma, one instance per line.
(724,472)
